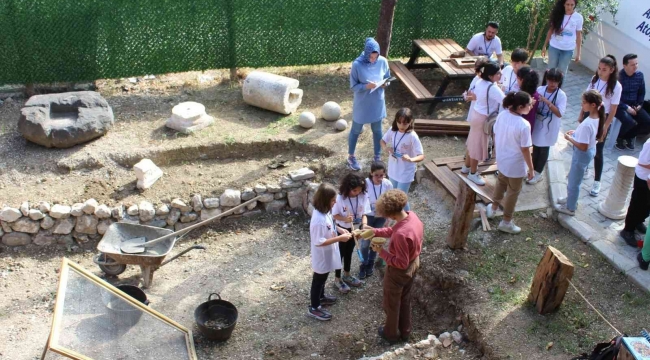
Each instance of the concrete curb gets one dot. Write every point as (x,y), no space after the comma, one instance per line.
(593,237)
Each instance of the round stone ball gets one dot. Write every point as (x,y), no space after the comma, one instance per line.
(341,125)
(331,111)
(307,120)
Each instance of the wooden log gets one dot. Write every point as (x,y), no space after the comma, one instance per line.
(484,220)
(462,218)
(551,281)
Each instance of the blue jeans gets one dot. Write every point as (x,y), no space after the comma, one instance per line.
(559,59)
(369,256)
(404,187)
(355,131)
(579,163)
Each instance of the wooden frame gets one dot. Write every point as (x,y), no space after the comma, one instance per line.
(52,341)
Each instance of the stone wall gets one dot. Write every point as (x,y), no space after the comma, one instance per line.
(44,224)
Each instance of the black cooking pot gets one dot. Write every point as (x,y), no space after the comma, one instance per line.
(121,312)
(216,319)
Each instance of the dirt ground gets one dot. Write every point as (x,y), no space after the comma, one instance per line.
(232,152)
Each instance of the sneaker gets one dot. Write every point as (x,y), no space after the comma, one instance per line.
(376,158)
(328,299)
(629,237)
(630,145)
(641,228)
(319,314)
(489,212)
(476,179)
(537,178)
(564,210)
(620,145)
(586,175)
(509,227)
(343,287)
(595,189)
(369,271)
(464,170)
(561,201)
(351,280)
(362,272)
(642,263)
(353,164)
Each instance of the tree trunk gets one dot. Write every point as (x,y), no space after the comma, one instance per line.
(532,28)
(551,281)
(385,26)
(462,218)
(539,38)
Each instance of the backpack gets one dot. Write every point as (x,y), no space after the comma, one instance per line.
(488,126)
(603,351)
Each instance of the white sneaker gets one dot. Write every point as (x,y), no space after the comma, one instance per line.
(464,170)
(586,175)
(537,178)
(476,179)
(509,227)
(489,212)
(563,209)
(595,189)
(561,201)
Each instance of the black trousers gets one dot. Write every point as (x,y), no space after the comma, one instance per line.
(317,288)
(639,208)
(632,126)
(346,249)
(600,146)
(540,157)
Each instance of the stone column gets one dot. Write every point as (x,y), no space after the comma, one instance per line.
(614,205)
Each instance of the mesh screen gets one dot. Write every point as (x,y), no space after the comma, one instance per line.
(74,40)
(100,325)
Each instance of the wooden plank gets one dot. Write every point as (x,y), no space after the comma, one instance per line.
(484,220)
(436,56)
(452,47)
(462,218)
(409,80)
(453,166)
(551,281)
(442,132)
(445,177)
(436,122)
(445,160)
(484,192)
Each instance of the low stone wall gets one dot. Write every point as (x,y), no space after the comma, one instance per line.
(44,224)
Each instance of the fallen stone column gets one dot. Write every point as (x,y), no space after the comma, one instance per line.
(614,205)
(272,92)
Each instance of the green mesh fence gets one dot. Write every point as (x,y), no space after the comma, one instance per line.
(76,40)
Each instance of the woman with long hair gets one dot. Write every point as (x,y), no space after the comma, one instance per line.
(564,35)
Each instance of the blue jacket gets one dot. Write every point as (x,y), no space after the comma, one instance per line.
(368,107)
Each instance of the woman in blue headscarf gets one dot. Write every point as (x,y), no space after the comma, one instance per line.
(369,107)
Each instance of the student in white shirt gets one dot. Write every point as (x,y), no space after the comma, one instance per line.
(639,208)
(512,146)
(404,149)
(324,250)
(477,140)
(377,184)
(477,70)
(584,148)
(606,83)
(350,211)
(486,43)
(564,35)
(509,73)
(550,109)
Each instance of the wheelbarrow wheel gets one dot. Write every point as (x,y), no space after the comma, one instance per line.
(113,269)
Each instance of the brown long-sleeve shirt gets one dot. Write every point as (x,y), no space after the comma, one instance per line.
(405,241)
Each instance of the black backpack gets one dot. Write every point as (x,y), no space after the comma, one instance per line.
(603,351)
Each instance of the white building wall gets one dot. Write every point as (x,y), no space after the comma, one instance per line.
(631,35)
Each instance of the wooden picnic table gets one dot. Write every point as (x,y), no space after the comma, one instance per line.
(439,51)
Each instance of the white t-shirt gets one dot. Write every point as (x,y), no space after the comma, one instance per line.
(496,97)
(644,158)
(511,132)
(608,100)
(571,24)
(323,258)
(404,143)
(480,46)
(587,131)
(356,206)
(472,86)
(547,125)
(509,80)
(375,191)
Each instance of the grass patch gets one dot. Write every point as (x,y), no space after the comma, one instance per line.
(282,123)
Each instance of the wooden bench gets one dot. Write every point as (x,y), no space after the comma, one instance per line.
(441,127)
(408,79)
(447,160)
(445,177)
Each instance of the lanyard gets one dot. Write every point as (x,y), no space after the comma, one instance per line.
(487,47)
(549,107)
(355,207)
(601,89)
(395,145)
(567,23)
(381,186)
(329,217)
(511,82)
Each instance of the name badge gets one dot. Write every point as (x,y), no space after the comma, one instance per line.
(559,37)
(372,207)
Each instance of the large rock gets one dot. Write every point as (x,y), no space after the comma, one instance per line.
(35,214)
(173,216)
(296,198)
(331,111)
(10,214)
(64,226)
(197,203)
(211,203)
(24,208)
(180,205)
(77,209)
(230,197)
(272,92)
(16,239)
(65,120)
(146,211)
(90,206)
(147,173)
(86,224)
(103,212)
(44,207)
(26,225)
(209,213)
(188,117)
(103,226)
(162,210)
(301,174)
(248,194)
(274,206)
(47,222)
(44,239)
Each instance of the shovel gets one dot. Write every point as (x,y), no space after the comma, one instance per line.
(140,245)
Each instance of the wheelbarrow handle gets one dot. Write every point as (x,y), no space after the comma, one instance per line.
(199,247)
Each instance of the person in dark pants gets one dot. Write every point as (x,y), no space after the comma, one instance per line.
(639,208)
(402,260)
(634,120)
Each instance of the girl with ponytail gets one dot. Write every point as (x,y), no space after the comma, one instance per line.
(528,81)
(584,147)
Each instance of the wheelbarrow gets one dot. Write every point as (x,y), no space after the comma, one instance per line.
(112,261)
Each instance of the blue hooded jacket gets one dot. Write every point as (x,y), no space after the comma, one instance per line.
(368,107)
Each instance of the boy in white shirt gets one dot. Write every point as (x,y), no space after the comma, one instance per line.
(509,73)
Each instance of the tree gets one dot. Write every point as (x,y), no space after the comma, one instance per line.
(385,25)
(540,10)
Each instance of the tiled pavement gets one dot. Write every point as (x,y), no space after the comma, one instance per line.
(588,224)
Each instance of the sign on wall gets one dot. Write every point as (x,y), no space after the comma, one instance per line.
(634,20)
